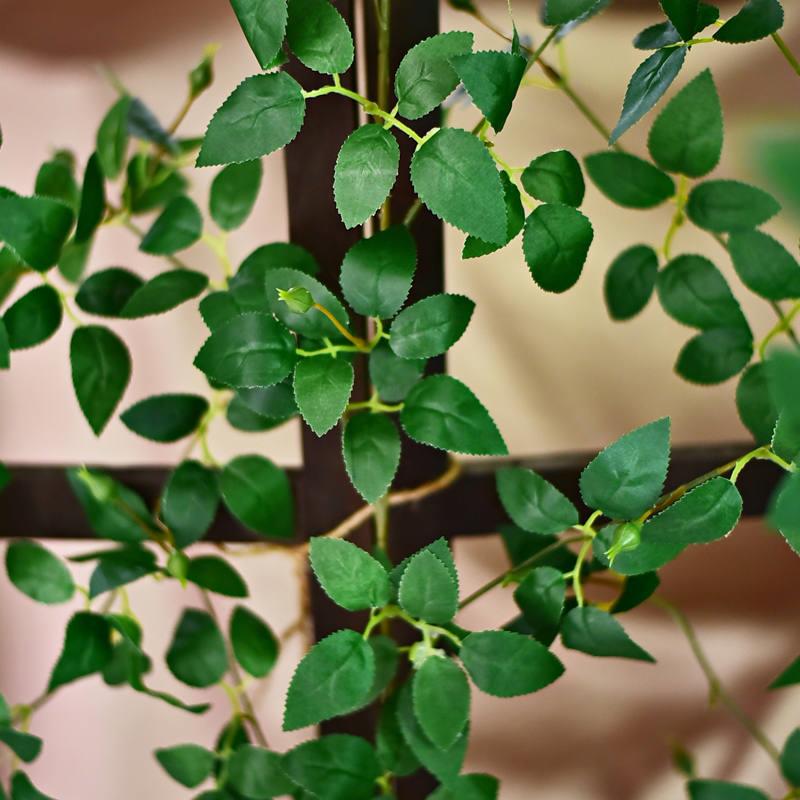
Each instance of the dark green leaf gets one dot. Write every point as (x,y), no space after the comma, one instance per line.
(723,206)
(93,201)
(36,572)
(23,789)
(197,655)
(754,403)
(786,438)
(515,219)
(233,193)
(350,576)
(217,308)
(790,758)
(188,764)
(11,269)
(190,501)
(555,178)
(540,598)
(371,447)
(165,417)
(533,503)
(87,649)
(428,590)
(112,138)
(387,657)
(629,181)
(755,20)
(683,15)
(254,644)
(784,510)
(274,255)
(178,226)
(440,548)
(722,790)
(143,124)
(322,387)
(559,12)
(34,318)
(275,402)
(469,787)
(596,632)
(630,281)
(36,228)
(789,677)
(264,25)
(120,567)
(319,36)
(151,184)
(216,575)
(5,348)
(393,751)
(764,265)
(635,591)
(106,292)
(715,355)
(441,700)
(257,774)
(56,180)
(25,746)
(431,326)
(663,33)
(392,376)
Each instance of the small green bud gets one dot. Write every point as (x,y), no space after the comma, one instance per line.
(628,536)
(100,486)
(178,565)
(298,298)
(421,652)
(202,76)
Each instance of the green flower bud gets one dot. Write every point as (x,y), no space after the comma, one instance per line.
(298,298)
(202,76)
(178,565)
(628,536)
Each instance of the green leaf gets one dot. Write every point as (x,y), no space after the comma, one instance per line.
(784,510)
(491,79)
(789,677)
(34,318)
(274,402)
(263,23)
(101,369)
(637,589)
(387,657)
(178,226)
(755,405)
(36,572)
(664,33)
(597,633)
(86,649)
(392,376)
(683,15)
(366,169)
(258,493)
(428,590)
(36,228)
(441,700)
(555,177)
(626,478)
(112,138)
(555,244)
(371,447)
(274,255)
(469,787)
(783,371)
(93,201)
(319,36)
(248,351)
(56,180)
(25,746)
(559,12)
(257,773)
(217,308)
(262,114)
(442,412)
(515,219)
(506,664)
(74,258)
(377,272)
(723,206)
(764,265)
(533,503)
(456,178)
(350,576)
(334,678)
(233,193)
(540,598)
(790,758)
(5,349)
(254,644)
(755,20)
(715,355)
(705,514)
(11,270)
(629,181)
(188,764)
(336,767)
(23,789)
(693,291)
(722,790)
(425,77)
(431,326)
(120,567)
(190,501)
(165,417)
(393,751)
(151,184)
(197,655)
(216,575)
(687,135)
(322,387)
(106,292)
(439,548)
(649,82)
(630,281)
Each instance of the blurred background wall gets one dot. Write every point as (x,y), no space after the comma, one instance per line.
(555,372)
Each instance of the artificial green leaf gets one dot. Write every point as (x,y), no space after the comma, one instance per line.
(649,82)
(425,77)
(687,135)
(262,114)
(263,23)
(629,181)
(506,664)
(626,478)
(441,698)
(254,644)
(442,412)
(786,438)
(101,369)
(117,568)
(257,774)
(366,169)
(377,272)
(555,177)
(723,206)
(597,633)
(428,590)
(559,12)
(178,226)
(764,265)
(456,178)
(93,201)
(387,657)
(249,350)
(25,746)
(469,787)
(683,15)
(233,193)
(144,124)
(491,79)
(5,348)
(630,281)
(106,292)
(74,259)
(216,575)
(755,20)
(790,758)
(11,270)
(439,548)
(533,503)
(393,751)
(23,789)
(783,371)
(86,649)
(197,655)
(371,447)
(636,590)
(274,402)
(36,572)
(273,256)
(784,510)
(151,184)
(664,33)
(336,767)
(693,291)
(217,308)
(555,244)
(521,545)
(165,417)
(515,219)
(258,493)
(188,764)
(350,576)
(322,388)
(540,598)
(190,501)
(35,228)
(334,678)
(722,790)
(789,677)
(112,138)
(755,405)
(34,318)
(431,326)
(56,180)
(715,355)
(319,36)
(392,376)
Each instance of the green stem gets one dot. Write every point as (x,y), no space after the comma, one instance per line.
(678,218)
(375,405)
(784,325)
(357,341)
(787,53)
(329,350)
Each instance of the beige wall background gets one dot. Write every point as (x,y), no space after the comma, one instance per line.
(555,372)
